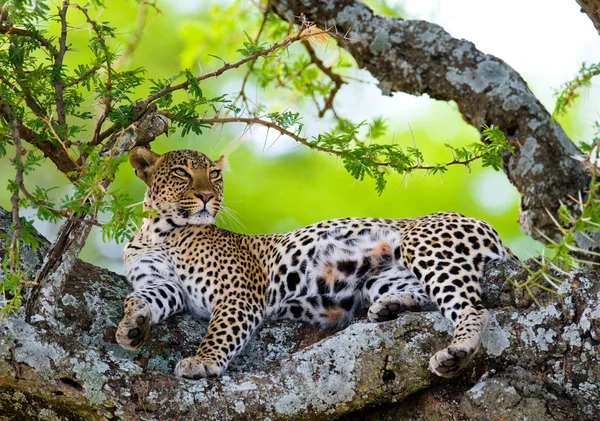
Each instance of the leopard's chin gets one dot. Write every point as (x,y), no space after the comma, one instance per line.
(202,217)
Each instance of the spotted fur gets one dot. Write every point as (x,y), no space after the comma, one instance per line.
(321,274)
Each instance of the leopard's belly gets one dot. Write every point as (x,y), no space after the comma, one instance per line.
(331,272)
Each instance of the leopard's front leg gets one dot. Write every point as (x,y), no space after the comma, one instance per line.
(156,295)
(232,323)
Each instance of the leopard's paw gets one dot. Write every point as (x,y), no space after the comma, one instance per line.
(134,329)
(447,362)
(389,307)
(196,368)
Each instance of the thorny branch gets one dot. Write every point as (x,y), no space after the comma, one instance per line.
(302,34)
(306,142)
(335,78)
(9,29)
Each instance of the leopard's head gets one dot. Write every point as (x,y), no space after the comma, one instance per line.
(184,185)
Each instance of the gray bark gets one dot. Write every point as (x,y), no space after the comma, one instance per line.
(419,57)
(536,362)
(592,9)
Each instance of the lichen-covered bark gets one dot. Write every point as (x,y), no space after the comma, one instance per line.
(66,364)
(419,57)
(592,9)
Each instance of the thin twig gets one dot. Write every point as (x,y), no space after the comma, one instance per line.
(11,30)
(107,100)
(242,93)
(82,77)
(335,78)
(137,34)
(228,66)
(58,62)
(48,121)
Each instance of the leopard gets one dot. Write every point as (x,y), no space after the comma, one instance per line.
(323,274)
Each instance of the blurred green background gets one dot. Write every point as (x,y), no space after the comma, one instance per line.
(274,185)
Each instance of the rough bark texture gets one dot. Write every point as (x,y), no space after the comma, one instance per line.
(592,9)
(540,363)
(419,57)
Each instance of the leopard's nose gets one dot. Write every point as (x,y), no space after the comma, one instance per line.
(205,197)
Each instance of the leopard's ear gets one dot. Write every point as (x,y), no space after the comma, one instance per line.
(222,163)
(143,161)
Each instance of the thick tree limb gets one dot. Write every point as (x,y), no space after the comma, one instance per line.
(592,9)
(418,58)
(69,365)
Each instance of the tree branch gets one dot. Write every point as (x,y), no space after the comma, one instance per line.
(418,57)
(302,34)
(11,30)
(304,141)
(242,93)
(107,99)
(335,78)
(82,77)
(70,361)
(58,156)
(592,9)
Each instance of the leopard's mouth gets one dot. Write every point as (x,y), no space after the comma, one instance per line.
(192,215)
(187,213)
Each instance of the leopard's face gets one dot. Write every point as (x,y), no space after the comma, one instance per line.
(184,185)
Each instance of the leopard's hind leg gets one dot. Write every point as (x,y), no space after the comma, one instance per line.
(456,290)
(448,254)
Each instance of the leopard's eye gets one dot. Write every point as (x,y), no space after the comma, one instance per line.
(180,172)
(215,173)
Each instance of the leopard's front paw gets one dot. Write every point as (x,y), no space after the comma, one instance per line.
(135,326)
(196,368)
